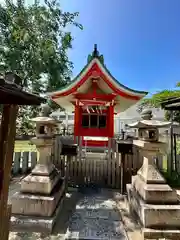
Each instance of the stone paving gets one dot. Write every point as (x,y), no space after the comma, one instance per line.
(96,217)
(91,216)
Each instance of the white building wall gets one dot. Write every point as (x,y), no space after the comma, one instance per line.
(131,115)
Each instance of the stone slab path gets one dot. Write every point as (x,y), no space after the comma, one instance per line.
(96,217)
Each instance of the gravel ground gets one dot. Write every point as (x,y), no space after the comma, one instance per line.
(89,215)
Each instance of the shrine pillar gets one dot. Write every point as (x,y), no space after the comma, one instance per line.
(77,120)
(111,120)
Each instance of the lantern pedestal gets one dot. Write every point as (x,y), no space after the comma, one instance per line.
(151,198)
(37,212)
(44,176)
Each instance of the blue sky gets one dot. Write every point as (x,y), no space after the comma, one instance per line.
(140,39)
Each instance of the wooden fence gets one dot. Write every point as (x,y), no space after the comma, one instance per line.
(85,170)
(98,168)
(23,162)
(102,172)
(90,169)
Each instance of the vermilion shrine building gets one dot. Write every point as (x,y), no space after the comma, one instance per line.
(95,96)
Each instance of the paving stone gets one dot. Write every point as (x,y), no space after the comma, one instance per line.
(96,217)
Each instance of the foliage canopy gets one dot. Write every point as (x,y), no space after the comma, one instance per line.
(34,43)
(156,99)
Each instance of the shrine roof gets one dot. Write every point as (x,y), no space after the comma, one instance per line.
(11,92)
(96,69)
(99,59)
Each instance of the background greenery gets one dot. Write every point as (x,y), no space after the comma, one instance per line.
(34,43)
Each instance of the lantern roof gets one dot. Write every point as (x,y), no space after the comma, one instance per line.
(148,122)
(45,120)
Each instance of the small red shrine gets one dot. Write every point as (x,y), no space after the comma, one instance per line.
(95,96)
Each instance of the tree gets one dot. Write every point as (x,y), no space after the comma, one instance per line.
(33,43)
(156,99)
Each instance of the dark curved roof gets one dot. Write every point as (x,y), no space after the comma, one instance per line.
(11,92)
(171,104)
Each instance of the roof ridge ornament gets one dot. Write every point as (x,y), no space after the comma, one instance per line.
(95,54)
(45,110)
(146,114)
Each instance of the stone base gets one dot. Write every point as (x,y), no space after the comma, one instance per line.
(153,216)
(154,193)
(43,169)
(40,184)
(161,234)
(35,224)
(150,174)
(37,205)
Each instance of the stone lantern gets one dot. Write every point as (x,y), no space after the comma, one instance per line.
(150,147)
(45,129)
(39,199)
(149,196)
